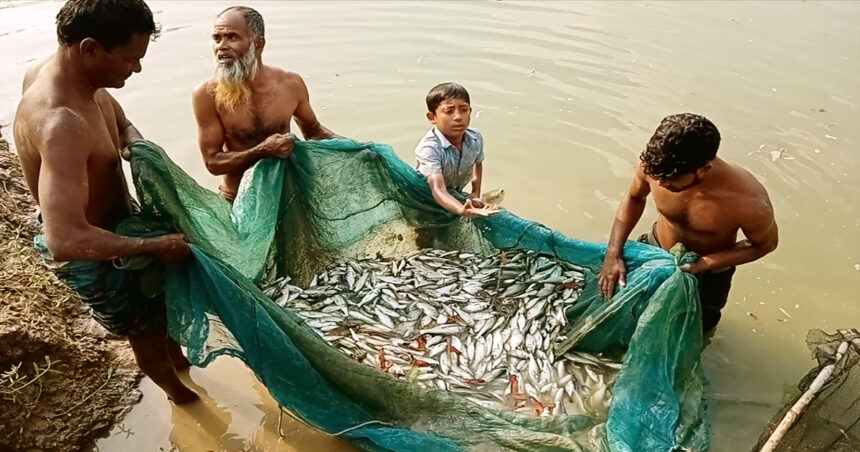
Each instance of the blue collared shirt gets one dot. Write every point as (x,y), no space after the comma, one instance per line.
(435,154)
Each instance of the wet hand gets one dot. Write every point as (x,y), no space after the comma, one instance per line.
(614,271)
(476,201)
(171,248)
(278,145)
(125,152)
(471,210)
(695,268)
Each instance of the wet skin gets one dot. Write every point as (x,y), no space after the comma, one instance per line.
(69,132)
(232,141)
(704,211)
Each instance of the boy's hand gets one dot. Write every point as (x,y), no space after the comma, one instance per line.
(471,210)
(475,199)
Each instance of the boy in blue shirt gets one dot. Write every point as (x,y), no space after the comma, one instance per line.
(450,155)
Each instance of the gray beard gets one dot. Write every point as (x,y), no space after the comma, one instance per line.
(232,88)
(238,71)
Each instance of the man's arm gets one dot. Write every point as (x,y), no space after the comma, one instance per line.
(210,137)
(64,194)
(127,131)
(450,203)
(762,235)
(628,214)
(305,116)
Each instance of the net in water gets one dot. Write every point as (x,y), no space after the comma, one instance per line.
(338,200)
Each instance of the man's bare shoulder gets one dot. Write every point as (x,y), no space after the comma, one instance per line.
(750,193)
(745,182)
(284,77)
(204,89)
(33,73)
(52,127)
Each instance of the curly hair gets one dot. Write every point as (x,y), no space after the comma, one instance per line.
(682,144)
(443,92)
(110,22)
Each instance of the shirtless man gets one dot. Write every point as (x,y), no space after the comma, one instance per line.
(702,201)
(244,111)
(69,132)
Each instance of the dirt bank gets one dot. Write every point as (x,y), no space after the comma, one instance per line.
(64,381)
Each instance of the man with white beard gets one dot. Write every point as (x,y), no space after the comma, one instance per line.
(244,111)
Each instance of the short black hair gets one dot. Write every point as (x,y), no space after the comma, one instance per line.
(110,22)
(252,18)
(682,144)
(443,92)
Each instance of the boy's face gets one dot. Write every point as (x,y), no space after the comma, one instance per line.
(452,117)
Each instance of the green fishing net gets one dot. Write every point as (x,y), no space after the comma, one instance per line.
(338,200)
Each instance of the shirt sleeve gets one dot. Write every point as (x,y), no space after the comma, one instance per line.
(428,161)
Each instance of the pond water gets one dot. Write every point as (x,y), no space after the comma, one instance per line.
(566,96)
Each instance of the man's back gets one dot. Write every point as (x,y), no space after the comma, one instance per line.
(50,112)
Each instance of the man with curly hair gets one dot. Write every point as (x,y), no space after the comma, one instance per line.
(702,201)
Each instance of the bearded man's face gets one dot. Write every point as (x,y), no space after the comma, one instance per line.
(236,61)
(232,80)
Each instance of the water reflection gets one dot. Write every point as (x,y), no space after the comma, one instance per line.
(568,94)
(202,425)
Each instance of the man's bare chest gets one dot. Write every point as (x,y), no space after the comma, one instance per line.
(250,127)
(697,212)
(103,159)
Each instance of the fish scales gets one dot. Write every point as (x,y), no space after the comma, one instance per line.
(460,322)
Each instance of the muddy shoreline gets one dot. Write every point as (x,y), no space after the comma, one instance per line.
(64,380)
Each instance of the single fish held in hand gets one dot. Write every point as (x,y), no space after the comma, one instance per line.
(493,198)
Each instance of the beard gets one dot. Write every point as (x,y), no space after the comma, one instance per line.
(232,89)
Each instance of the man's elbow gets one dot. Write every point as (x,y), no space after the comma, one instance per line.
(770,246)
(65,249)
(215,168)
(317,132)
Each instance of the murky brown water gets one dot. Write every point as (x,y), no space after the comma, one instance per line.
(566,95)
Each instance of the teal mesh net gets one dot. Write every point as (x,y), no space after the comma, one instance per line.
(337,200)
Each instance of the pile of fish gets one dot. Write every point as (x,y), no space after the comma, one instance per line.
(483,327)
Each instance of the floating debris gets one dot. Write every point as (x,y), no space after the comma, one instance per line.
(484,328)
(780,155)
